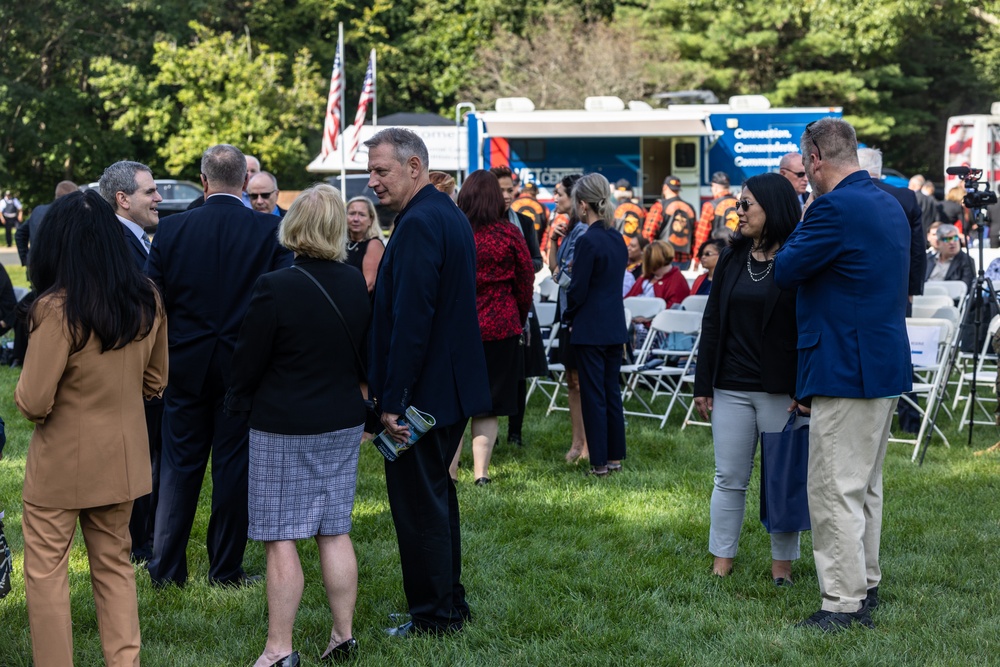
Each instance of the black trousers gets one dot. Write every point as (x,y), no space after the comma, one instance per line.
(140,527)
(9,225)
(601,401)
(195,428)
(424,508)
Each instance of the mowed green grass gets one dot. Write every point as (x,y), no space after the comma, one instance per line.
(562,569)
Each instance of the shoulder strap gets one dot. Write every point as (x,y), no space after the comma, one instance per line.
(357,355)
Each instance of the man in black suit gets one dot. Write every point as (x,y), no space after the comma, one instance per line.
(870,160)
(22,237)
(206,262)
(426,352)
(130,189)
(262,189)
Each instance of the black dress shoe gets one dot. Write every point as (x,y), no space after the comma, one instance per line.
(341,652)
(244,581)
(515,439)
(290,660)
(871,600)
(483,481)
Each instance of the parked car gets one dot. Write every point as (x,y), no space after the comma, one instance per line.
(176,195)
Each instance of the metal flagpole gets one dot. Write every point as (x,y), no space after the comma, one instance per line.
(343,97)
(374,91)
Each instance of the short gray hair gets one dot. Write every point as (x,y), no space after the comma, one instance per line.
(224,165)
(120,177)
(594,191)
(870,159)
(274,181)
(405,144)
(833,139)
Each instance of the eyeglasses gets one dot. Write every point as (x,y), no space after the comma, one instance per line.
(819,153)
(948,239)
(797,174)
(260,195)
(709,254)
(744,204)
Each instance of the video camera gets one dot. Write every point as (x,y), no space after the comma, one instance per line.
(978,193)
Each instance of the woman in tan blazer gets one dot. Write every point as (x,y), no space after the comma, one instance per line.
(97,346)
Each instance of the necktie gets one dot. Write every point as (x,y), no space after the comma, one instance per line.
(145,242)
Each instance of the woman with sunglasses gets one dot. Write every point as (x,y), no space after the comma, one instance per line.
(746,366)
(708,257)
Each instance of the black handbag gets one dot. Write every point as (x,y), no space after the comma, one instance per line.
(373,415)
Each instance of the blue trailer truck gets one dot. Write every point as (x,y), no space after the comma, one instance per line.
(638,143)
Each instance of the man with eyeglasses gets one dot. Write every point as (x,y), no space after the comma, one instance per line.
(849,259)
(949,262)
(263,193)
(791,168)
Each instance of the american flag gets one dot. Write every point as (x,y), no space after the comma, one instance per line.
(367,95)
(331,127)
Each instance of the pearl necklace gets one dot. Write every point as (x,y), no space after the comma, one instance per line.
(352,245)
(757,277)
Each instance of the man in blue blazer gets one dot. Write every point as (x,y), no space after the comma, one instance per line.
(849,258)
(426,351)
(206,262)
(130,189)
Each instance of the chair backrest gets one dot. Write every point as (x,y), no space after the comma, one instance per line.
(628,317)
(548,288)
(921,356)
(936,300)
(956,289)
(935,287)
(546,312)
(645,307)
(695,303)
(679,321)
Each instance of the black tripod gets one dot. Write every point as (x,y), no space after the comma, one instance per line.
(976,301)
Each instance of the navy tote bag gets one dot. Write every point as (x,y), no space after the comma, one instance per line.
(784,465)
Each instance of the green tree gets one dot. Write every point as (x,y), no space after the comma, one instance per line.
(219,88)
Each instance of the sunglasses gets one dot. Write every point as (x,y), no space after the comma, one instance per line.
(743,204)
(948,239)
(819,153)
(797,174)
(260,195)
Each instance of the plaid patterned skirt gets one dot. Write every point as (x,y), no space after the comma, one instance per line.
(302,485)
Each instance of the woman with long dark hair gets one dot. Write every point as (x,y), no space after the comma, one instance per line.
(97,345)
(746,362)
(504,283)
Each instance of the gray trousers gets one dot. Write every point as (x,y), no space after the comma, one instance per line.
(738,417)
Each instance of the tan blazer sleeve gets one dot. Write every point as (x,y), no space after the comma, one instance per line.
(154,378)
(44,363)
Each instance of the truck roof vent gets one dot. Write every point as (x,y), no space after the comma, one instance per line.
(605,103)
(508,104)
(995,109)
(749,102)
(639,105)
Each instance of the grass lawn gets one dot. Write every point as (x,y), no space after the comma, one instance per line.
(562,569)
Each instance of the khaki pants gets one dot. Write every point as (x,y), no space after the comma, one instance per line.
(48,536)
(847,443)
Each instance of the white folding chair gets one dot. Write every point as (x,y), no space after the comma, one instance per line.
(546,313)
(935,300)
(954,289)
(646,307)
(548,289)
(930,345)
(935,287)
(986,376)
(695,303)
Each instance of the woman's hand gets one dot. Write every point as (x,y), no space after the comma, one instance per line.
(703,404)
(803,410)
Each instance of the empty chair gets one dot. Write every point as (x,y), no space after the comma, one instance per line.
(695,303)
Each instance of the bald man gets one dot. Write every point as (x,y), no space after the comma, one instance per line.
(791,167)
(262,189)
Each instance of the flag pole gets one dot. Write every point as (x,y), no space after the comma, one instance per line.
(374,91)
(343,97)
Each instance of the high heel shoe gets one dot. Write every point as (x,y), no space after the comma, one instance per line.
(341,652)
(290,660)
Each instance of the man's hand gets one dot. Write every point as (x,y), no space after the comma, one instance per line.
(803,410)
(398,432)
(703,404)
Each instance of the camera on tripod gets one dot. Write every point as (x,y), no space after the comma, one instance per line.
(977,192)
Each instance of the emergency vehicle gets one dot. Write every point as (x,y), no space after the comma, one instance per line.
(973,141)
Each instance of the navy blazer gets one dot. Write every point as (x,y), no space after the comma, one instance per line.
(849,257)
(426,349)
(778,351)
(595,305)
(135,248)
(918,241)
(206,262)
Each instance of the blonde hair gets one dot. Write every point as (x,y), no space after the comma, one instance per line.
(595,191)
(372,231)
(656,255)
(442,181)
(316,224)
(956,194)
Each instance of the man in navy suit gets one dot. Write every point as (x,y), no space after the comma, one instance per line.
(426,351)
(206,262)
(849,258)
(130,189)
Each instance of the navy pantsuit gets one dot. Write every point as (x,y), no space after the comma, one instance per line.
(598,332)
